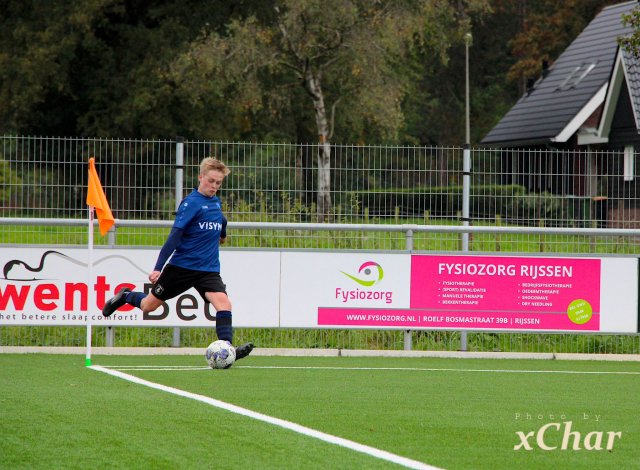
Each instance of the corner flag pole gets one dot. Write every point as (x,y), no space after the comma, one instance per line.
(90,294)
(96,200)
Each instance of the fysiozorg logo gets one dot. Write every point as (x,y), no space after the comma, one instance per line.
(368,276)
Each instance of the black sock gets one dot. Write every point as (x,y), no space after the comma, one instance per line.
(224,330)
(135,298)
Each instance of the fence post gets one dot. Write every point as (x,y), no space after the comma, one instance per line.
(466,196)
(111,236)
(409,247)
(109,340)
(179,177)
(407,340)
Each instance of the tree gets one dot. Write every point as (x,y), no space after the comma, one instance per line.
(37,44)
(631,43)
(345,54)
(98,67)
(434,107)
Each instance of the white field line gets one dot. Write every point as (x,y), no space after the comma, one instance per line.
(158,367)
(372,451)
(423,369)
(497,371)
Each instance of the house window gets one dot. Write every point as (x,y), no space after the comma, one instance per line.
(629,165)
(576,75)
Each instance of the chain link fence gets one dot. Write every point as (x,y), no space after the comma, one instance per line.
(44,178)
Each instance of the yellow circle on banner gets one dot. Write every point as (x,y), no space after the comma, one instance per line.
(579,311)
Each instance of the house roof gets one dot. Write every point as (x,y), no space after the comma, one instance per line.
(625,75)
(632,73)
(575,86)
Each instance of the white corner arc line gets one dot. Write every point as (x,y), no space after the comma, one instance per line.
(372,451)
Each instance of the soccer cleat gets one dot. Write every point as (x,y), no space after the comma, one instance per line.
(115,302)
(244,350)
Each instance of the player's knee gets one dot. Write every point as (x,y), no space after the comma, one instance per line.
(219,300)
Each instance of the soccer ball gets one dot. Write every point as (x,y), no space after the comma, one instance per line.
(220,354)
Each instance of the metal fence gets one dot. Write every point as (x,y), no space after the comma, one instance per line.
(540,202)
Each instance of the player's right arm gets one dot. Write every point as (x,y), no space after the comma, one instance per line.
(184,214)
(174,239)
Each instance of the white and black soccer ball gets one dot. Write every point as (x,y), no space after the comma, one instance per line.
(220,354)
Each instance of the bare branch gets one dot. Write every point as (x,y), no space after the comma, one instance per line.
(285,35)
(298,70)
(332,119)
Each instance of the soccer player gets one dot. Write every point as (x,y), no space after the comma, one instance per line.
(194,241)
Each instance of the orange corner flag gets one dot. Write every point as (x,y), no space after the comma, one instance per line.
(97,199)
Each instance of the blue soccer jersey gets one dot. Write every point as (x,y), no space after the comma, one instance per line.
(201,219)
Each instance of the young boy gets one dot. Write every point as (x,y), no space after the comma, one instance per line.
(194,241)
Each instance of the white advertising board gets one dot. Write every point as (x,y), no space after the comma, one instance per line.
(341,280)
(51,287)
(305,289)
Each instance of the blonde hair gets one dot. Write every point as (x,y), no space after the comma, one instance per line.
(211,163)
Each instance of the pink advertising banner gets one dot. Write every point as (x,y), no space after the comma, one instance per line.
(412,319)
(490,293)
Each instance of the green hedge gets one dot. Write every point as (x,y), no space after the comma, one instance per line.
(443,201)
(511,202)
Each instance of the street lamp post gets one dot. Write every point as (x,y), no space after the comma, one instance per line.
(467,43)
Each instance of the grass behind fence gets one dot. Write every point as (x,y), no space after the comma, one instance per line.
(341,240)
(339,339)
(57,336)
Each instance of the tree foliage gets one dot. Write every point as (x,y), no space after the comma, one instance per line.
(354,52)
(632,42)
(389,70)
(345,58)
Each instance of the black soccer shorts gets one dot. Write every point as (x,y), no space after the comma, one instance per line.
(175,280)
